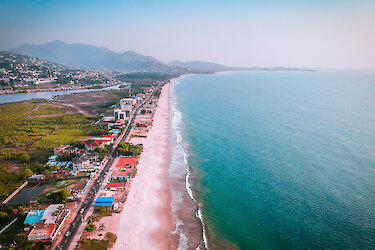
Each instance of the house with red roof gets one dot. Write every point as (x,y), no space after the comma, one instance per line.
(92,145)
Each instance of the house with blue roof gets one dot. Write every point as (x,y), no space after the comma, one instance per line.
(33,217)
(104,202)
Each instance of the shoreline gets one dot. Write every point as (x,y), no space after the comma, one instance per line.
(190,232)
(146,219)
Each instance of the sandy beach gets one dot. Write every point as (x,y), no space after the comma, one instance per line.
(146,219)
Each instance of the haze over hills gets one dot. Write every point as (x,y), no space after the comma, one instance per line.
(83,55)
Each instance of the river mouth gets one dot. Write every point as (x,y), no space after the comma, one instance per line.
(28,194)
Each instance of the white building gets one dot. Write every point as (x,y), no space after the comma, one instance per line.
(80,162)
(127,103)
(119,114)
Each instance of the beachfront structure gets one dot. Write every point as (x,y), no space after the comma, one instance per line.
(104,202)
(123,169)
(116,186)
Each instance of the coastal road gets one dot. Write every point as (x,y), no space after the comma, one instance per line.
(67,240)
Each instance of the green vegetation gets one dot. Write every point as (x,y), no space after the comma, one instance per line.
(90,227)
(10,181)
(145,78)
(129,149)
(111,237)
(48,110)
(102,212)
(78,144)
(60,196)
(65,157)
(94,244)
(26,142)
(13,233)
(103,152)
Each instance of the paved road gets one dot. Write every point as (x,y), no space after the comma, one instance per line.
(65,243)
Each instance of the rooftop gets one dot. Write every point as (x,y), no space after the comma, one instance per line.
(117,184)
(93,143)
(34,216)
(104,201)
(48,216)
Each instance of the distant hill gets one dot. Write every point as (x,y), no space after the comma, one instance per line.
(199,65)
(209,66)
(83,55)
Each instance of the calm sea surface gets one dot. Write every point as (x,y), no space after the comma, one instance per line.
(285,160)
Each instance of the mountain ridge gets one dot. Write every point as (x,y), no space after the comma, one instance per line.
(84,55)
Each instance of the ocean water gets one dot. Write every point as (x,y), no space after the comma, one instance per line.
(281,160)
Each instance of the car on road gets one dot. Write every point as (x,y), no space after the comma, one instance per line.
(67,234)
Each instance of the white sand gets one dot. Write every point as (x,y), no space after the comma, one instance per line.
(146,219)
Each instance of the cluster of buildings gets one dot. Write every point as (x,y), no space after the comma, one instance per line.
(121,173)
(123,112)
(86,159)
(45,224)
(19,73)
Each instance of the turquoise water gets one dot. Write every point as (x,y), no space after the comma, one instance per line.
(285,160)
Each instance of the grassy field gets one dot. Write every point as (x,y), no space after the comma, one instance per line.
(48,110)
(26,142)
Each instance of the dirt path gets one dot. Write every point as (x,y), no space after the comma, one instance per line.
(28,115)
(79,110)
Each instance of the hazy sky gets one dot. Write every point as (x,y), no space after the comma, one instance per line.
(302,33)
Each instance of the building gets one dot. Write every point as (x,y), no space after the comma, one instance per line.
(119,114)
(61,149)
(127,103)
(41,232)
(92,145)
(47,225)
(51,213)
(52,160)
(141,96)
(93,157)
(36,178)
(33,217)
(123,169)
(104,202)
(106,139)
(80,162)
(116,185)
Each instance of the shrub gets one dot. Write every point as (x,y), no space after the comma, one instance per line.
(94,244)
(90,227)
(111,237)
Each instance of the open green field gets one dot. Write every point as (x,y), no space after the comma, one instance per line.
(26,141)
